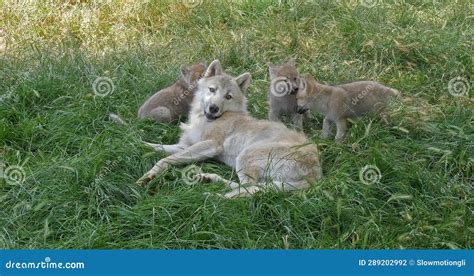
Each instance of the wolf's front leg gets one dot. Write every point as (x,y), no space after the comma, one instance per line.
(171,149)
(326,128)
(197,152)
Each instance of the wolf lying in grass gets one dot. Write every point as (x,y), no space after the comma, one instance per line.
(337,103)
(220,127)
(284,83)
(171,103)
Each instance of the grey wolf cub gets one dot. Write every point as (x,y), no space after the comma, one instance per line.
(284,83)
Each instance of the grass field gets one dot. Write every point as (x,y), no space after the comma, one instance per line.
(69,173)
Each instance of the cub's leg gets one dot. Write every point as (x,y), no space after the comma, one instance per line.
(274,115)
(341,125)
(326,128)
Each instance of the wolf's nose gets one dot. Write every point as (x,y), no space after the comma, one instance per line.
(213,108)
(294,91)
(301,109)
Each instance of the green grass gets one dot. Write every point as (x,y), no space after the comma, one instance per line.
(80,169)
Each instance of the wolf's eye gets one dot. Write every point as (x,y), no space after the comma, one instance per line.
(228,96)
(212,89)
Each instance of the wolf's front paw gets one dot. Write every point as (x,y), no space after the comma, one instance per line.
(157,147)
(145,179)
(208,177)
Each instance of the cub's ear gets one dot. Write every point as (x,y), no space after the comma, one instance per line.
(291,61)
(243,81)
(271,70)
(184,71)
(214,69)
(302,84)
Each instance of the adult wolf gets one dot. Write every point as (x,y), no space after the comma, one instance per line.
(260,151)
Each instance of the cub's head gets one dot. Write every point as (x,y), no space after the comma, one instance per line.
(304,92)
(219,93)
(192,73)
(284,79)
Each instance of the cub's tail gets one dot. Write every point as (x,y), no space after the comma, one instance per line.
(116,119)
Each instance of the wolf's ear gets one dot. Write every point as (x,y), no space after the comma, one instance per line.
(291,62)
(184,71)
(243,81)
(271,71)
(302,84)
(214,69)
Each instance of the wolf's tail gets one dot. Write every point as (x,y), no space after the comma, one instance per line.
(116,119)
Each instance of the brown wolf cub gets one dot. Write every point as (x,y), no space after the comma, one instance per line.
(173,102)
(339,102)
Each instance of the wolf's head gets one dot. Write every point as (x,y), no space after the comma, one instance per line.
(306,90)
(192,73)
(218,92)
(284,79)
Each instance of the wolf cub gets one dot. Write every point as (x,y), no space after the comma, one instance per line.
(339,102)
(284,83)
(173,102)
